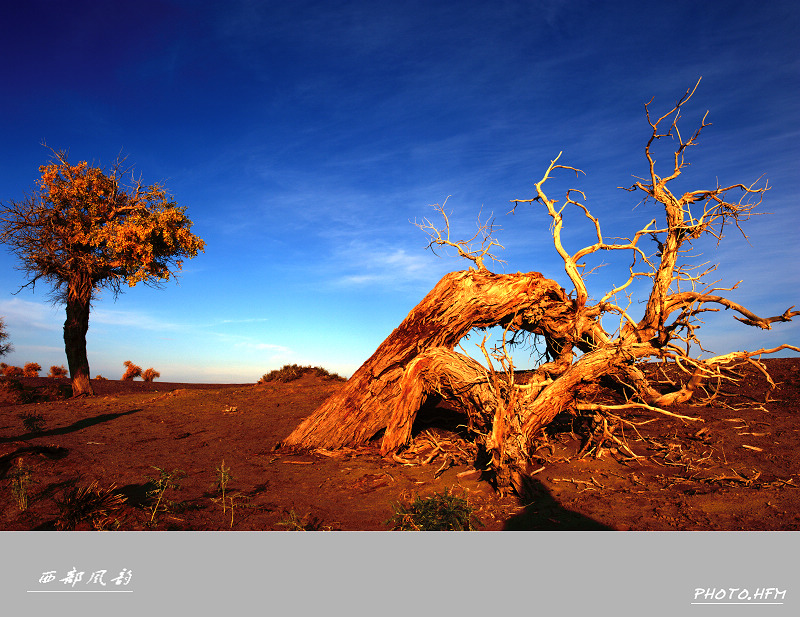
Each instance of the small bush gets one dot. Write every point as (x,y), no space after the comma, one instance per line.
(290,372)
(20,479)
(32,421)
(292,522)
(57,371)
(3,367)
(13,392)
(150,374)
(131,371)
(31,369)
(439,512)
(14,372)
(92,506)
(100,378)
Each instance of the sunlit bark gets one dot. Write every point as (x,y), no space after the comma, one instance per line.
(418,360)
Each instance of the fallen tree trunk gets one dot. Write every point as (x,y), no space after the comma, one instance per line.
(417,361)
(460,302)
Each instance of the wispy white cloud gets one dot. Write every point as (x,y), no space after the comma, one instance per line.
(24,314)
(132,319)
(263,346)
(248,320)
(364,264)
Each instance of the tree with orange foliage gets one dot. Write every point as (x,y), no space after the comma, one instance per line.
(131,371)
(85,229)
(150,374)
(31,369)
(57,372)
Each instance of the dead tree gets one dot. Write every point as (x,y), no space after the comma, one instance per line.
(418,360)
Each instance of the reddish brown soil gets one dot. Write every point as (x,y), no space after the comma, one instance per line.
(736,470)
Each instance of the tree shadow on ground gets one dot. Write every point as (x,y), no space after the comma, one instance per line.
(542,512)
(75,426)
(54,453)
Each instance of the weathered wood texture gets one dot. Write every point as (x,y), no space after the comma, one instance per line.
(460,302)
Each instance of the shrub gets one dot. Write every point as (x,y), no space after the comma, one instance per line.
(131,371)
(100,378)
(444,512)
(20,479)
(31,369)
(57,371)
(150,374)
(14,372)
(290,372)
(93,507)
(292,522)
(33,422)
(3,367)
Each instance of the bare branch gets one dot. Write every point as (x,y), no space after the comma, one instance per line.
(441,237)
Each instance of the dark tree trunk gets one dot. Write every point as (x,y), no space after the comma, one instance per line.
(79,296)
(460,302)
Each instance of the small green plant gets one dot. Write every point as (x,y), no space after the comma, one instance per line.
(439,512)
(21,478)
(292,522)
(33,422)
(223,477)
(233,497)
(166,480)
(97,507)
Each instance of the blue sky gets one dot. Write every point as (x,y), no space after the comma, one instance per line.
(306,137)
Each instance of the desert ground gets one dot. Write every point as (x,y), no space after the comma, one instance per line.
(156,456)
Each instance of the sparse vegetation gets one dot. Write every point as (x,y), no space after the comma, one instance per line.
(291,372)
(13,392)
(165,481)
(439,512)
(293,522)
(131,371)
(150,374)
(21,478)
(57,371)
(31,369)
(223,477)
(97,507)
(32,421)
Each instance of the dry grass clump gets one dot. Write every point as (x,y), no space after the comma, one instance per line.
(57,371)
(92,506)
(439,512)
(291,372)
